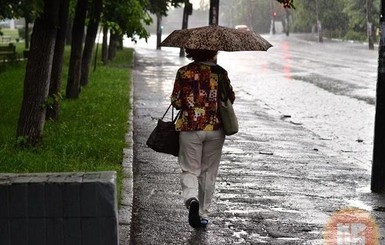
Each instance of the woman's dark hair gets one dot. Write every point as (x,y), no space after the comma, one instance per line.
(200,54)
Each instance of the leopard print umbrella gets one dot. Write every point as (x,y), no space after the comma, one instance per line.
(216,37)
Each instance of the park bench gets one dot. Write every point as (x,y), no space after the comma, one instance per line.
(6,39)
(8,53)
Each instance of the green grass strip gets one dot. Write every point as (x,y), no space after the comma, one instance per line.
(90,135)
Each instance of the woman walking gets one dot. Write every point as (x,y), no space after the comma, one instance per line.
(201,136)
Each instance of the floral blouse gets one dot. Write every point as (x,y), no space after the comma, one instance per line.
(196,94)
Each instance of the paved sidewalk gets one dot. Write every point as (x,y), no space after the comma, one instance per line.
(279,183)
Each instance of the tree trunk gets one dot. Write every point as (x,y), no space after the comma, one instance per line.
(287,21)
(54,95)
(36,82)
(73,82)
(70,24)
(120,42)
(26,34)
(105,45)
(92,31)
(319,23)
(378,167)
(369,24)
(158,30)
(112,46)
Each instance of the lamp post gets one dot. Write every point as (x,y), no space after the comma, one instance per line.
(214,12)
(186,12)
(158,30)
(378,164)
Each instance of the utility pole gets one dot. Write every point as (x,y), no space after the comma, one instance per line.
(378,164)
(214,12)
(188,8)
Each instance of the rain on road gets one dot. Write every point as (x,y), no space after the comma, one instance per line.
(329,88)
(319,98)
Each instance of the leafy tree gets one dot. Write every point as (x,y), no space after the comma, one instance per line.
(160,8)
(356,11)
(287,3)
(92,30)
(36,81)
(339,18)
(333,20)
(74,70)
(330,13)
(18,9)
(123,17)
(105,44)
(54,95)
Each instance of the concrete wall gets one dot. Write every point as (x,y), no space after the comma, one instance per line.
(58,209)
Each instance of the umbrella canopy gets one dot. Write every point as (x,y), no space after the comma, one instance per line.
(216,37)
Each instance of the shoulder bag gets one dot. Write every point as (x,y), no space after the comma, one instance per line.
(226,110)
(164,138)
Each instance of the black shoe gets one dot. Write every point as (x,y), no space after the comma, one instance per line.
(204,223)
(193,215)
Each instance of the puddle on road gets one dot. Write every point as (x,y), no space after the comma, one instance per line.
(255,237)
(360,204)
(286,210)
(232,150)
(288,238)
(258,238)
(238,234)
(364,189)
(248,211)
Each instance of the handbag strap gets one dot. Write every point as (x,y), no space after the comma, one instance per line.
(172,114)
(221,85)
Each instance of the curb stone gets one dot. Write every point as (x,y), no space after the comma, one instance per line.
(125,210)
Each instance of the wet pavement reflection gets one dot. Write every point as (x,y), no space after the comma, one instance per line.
(295,162)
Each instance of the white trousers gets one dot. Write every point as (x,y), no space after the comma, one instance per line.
(199,156)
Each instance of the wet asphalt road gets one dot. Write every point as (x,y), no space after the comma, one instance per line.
(281,178)
(329,88)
